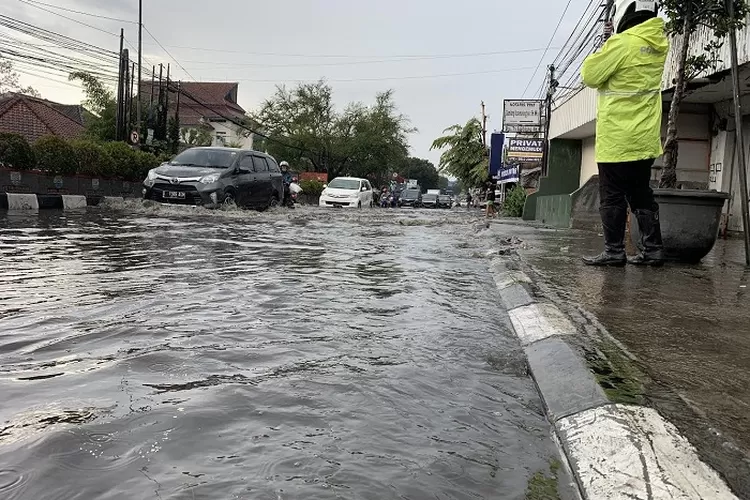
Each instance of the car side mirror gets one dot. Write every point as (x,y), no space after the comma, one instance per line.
(364,188)
(325,186)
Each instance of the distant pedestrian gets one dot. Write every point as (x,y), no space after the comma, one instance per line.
(627,71)
(491,199)
(468,200)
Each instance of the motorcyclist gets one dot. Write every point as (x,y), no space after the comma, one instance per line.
(285,173)
(627,71)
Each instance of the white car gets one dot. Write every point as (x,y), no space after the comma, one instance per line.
(347,192)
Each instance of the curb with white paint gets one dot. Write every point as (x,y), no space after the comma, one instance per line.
(616,452)
(35,202)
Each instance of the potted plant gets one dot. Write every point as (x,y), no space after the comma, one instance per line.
(690,218)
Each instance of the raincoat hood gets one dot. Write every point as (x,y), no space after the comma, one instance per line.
(651,32)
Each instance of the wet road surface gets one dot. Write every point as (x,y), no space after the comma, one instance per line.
(177,354)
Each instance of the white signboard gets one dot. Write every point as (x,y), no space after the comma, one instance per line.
(522,115)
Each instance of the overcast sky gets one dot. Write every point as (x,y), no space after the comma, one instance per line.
(305,35)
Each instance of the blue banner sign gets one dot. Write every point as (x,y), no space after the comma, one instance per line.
(497,147)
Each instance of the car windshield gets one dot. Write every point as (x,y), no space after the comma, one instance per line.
(215,158)
(410,193)
(350,184)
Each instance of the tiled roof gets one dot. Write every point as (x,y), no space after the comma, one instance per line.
(206,100)
(33,118)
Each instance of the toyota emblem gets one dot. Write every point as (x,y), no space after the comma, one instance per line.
(175,181)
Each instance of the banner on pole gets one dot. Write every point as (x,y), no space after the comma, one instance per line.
(497,151)
(510,173)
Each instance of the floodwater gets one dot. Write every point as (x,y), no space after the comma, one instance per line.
(171,353)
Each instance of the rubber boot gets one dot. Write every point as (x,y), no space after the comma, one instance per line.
(652,253)
(614,220)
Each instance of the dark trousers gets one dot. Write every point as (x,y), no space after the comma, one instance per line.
(627,183)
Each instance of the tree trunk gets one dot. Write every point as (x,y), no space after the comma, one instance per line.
(671,144)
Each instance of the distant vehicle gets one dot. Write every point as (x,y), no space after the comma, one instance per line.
(347,192)
(444,201)
(433,191)
(410,198)
(217,176)
(430,200)
(412,184)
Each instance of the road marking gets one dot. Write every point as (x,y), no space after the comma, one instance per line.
(624,452)
(537,322)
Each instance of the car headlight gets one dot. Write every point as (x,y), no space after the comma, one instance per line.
(150,178)
(209,179)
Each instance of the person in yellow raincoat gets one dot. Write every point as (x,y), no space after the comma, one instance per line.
(627,71)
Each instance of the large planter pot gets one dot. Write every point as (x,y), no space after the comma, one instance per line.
(690,222)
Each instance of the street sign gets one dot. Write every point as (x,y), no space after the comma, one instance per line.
(134,137)
(510,174)
(523,116)
(522,150)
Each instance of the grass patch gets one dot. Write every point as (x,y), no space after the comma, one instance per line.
(543,484)
(619,376)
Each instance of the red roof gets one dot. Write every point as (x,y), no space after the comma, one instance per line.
(33,117)
(206,100)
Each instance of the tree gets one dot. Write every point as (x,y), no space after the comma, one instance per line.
(101,104)
(10,80)
(465,156)
(422,171)
(173,134)
(684,19)
(305,129)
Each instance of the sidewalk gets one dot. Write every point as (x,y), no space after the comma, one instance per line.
(675,339)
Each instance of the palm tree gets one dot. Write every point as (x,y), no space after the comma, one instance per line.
(465,156)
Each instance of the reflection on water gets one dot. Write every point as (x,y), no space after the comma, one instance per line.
(160,352)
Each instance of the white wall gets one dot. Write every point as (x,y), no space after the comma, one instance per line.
(225,133)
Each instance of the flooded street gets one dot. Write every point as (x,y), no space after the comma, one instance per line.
(168,353)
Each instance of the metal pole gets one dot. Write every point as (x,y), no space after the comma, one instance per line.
(740,144)
(120,87)
(132,93)
(550,93)
(140,55)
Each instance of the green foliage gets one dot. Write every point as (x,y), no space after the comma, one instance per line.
(143,163)
(16,152)
(312,187)
(124,159)
(421,170)
(55,156)
(684,17)
(92,159)
(101,104)
(307,130)
(514,202)
(465,156)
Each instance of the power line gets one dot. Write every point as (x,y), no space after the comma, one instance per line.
(69,18)
(357,63)
(552,38)
(360,56)
(167,52)
(73,11)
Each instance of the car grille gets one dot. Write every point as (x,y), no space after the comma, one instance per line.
(192,197)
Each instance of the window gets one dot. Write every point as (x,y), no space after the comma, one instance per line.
(273,165)
(368,186)
(260,164)
(246,163)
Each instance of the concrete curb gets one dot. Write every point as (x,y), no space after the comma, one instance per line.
(14,201)
(615,452)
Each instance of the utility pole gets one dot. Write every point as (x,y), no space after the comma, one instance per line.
(140,56)
(548,111)
(484,126)
(120,88)
(740,142)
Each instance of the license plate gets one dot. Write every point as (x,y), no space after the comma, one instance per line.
(179,195)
